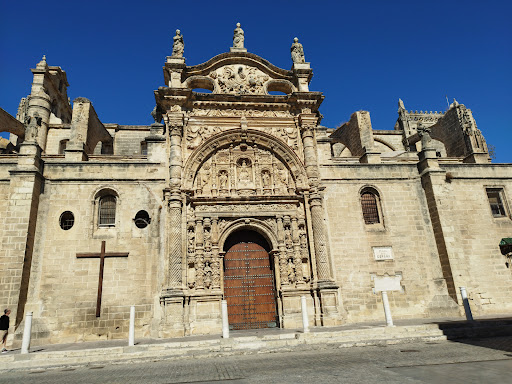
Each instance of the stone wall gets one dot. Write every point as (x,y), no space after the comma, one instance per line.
(127,141)
(63,289)
(406,228)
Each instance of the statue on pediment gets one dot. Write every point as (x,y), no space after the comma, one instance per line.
(178,45)
(238,37)
(297,52)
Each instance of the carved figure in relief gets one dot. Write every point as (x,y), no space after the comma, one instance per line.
(32,127)
(223,180)
(282,175)
(178,45)
(288,238)
(244,177)
(207,239)
(291,271)
(208,274)
(238,37)
(297,52)
(191,240)
(265,179)
(205,176)
(240,79)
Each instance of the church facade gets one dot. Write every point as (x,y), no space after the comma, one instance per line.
(239,193)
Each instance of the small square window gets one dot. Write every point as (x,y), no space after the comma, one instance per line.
(495,196)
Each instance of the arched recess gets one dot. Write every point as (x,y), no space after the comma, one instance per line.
(200,82)
(250,137)
(284,86)
(249,225)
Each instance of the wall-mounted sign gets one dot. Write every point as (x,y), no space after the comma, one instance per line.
(382,253)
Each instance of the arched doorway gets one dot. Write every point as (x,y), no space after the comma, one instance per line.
(249,287)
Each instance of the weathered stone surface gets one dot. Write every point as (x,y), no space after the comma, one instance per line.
(240,165)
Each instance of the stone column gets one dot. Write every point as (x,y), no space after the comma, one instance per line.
(175,127)
(199,262)
(317,221)
(307,123)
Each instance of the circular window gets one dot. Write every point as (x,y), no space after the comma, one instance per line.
(67,219)
(142,219)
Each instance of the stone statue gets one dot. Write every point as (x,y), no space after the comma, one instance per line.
(243,176)
(426,140)
(32,127)
(208,274)
(238,37)
(156,113)
(265,179)
(291,271)
(297,52)
(178,45)
(223,179)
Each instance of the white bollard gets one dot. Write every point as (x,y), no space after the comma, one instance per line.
(25,343)
(387,310)
(131,332)
(305,321)
(225,321)
(465,301)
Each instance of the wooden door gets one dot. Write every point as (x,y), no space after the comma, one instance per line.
(249,287)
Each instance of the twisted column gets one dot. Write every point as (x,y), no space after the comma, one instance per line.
(175,127)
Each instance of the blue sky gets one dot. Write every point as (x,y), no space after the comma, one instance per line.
(365,55)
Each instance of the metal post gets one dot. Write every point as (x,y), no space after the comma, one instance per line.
(465,301)
(131,332)
(225,321)
(387,310)
(25,343)
(305,322)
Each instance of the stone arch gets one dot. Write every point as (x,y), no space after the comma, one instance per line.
(224,139)
(200,82)
(284,86)
(385,143)
(250,225)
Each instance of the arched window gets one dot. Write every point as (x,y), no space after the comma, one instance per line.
(370,205)
(107,211)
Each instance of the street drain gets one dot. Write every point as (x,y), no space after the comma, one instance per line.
(36,372)
(68,369)
(96,367)
(409,350)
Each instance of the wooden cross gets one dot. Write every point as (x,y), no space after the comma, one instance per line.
(101,256)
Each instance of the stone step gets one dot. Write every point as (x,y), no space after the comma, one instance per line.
(239,344)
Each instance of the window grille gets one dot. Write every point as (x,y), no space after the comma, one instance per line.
(370,208)
(67,220)
(107,211)
(496,202)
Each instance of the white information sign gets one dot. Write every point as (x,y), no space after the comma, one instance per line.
(382,253)
(387,283)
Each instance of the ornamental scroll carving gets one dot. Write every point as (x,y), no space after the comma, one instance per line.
(243,171)
(196,134)
(239,80)
(199,112)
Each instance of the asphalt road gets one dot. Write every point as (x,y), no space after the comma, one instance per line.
(471,361)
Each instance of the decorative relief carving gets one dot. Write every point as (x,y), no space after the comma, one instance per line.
(245,208)
(197,134)
(243,171)
(239,80)
(238,113)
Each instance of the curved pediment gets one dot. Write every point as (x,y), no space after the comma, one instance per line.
(239,73)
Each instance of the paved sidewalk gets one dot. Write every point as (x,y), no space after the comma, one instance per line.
(256,341)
